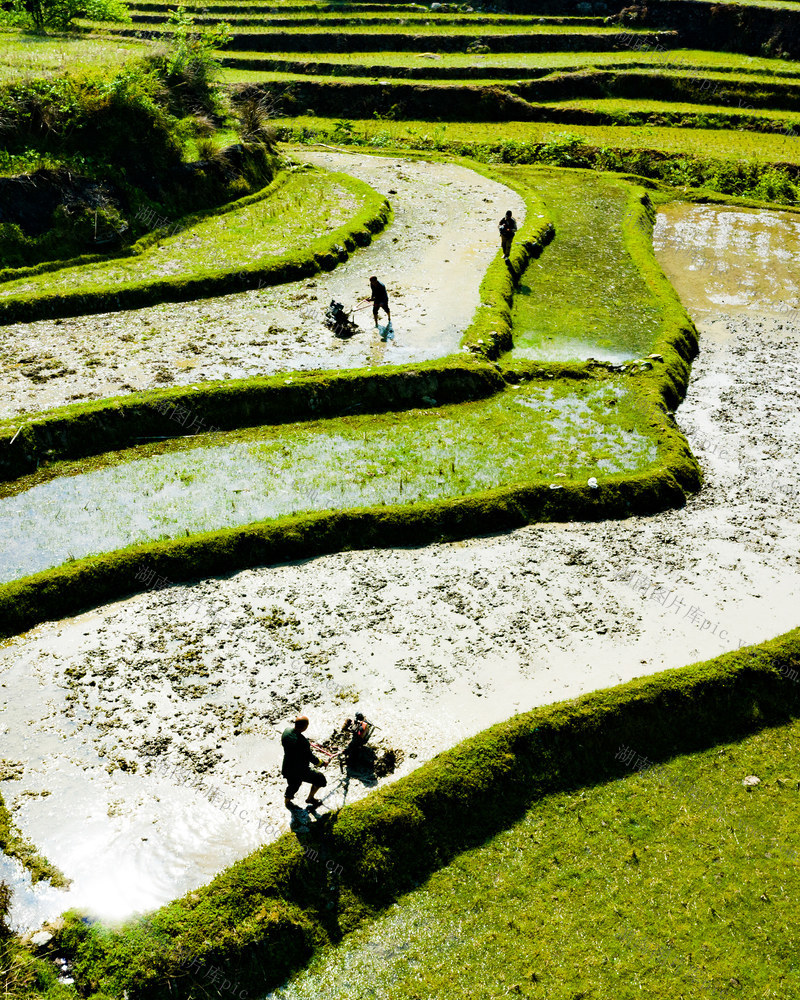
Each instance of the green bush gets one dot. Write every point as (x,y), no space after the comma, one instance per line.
(775,185)
(120,119)
(59,14)
(191,66)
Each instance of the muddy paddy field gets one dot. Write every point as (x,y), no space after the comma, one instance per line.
(141,740)
(433,260)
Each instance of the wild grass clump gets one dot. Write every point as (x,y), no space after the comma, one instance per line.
(67,115)
(104,181)
(190,63)
(255,113)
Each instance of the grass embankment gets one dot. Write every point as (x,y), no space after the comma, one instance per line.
(268,913)
(684,883)
(388,16)
(624,111)
(304,222)
(518,65)
(446,34)
(531,434)
(495,138)
(77,179)
(298,6)
(585,298)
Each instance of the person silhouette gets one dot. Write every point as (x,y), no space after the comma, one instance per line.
(297,760)
(508,229)
(379,300)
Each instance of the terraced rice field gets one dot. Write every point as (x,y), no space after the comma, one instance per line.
(509,141)
(304,209)
(237,621)
(578,56)
(22,56)
(609,312)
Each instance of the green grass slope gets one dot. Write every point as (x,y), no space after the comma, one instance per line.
(680,882)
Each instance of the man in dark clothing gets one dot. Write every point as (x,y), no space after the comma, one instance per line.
(297,760)
(508,227)
(379,299)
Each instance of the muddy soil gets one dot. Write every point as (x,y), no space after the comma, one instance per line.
(432,259)
(432,644)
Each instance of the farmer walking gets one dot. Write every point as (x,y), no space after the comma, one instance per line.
(297,760)
(508,227)
(379,300)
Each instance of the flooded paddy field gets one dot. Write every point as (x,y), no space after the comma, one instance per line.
(433,644)
(731,260)
(585,297)
(529,433)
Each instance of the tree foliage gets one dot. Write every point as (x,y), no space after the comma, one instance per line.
(58,15)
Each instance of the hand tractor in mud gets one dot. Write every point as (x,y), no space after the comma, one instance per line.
(359,730)
(338,319)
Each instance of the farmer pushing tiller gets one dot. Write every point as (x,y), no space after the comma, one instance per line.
(300,753)
(379,298)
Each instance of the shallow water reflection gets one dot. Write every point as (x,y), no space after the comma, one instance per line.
(526,433)
(726,259)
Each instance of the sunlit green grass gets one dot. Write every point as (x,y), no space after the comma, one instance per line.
(23,55)
(388,16)
(308,206)
(681,59)
(532,433)
(623,106)
(584,297)
(683,884)
(434,29)
(281,7)
(723,144)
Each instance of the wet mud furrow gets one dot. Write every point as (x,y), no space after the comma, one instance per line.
(433,644)
(432,259)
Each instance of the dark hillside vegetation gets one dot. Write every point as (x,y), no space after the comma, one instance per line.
(93,162)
